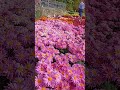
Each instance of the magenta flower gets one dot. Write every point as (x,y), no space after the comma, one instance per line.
(42,88)
(39,81)
(57,44)
(43,67)
(64,85)
(52,79)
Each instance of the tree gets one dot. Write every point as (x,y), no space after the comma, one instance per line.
(71,5)
(76,4)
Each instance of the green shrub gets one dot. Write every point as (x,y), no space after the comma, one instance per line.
(37,14)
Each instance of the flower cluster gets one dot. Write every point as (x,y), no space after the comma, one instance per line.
(69,19)
(102,41)
(60,47)
(17,61)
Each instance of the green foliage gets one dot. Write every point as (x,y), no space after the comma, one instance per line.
(76,5)
(71,12)
(71,5)
(37,14)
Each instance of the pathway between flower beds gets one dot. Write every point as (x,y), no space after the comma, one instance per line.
(60,48)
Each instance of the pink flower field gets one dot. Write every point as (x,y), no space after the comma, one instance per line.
(60,49)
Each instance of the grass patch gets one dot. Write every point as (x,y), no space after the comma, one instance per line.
(37,14)
(71,13)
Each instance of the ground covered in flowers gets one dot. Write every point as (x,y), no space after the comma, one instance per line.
(60,48)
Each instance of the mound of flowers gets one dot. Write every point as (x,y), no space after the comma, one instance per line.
(60,47)
(75,20)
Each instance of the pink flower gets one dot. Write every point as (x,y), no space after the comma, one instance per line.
(58,58)
(43,67)
(42,88)
(80,87)
(63,45)
(52,78)
(51,37)
(75,78)
(57,76)
(80,56)
(78,81)
(72,57)
(49,56)
(78,66)
(70,71)
(39,81)
(64,85)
